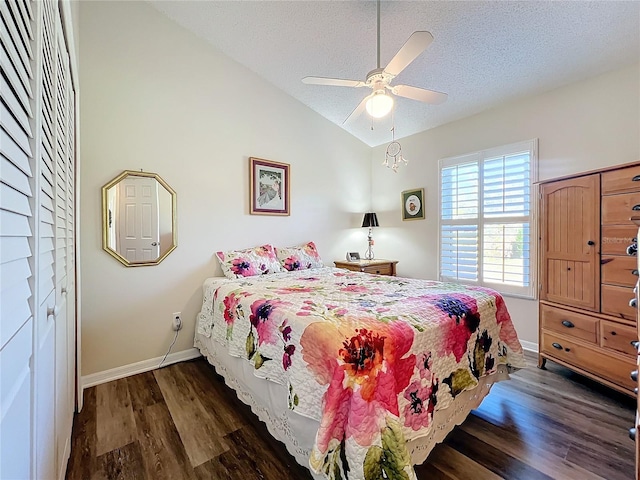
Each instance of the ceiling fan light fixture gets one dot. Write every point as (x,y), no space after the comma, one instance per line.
(379,105)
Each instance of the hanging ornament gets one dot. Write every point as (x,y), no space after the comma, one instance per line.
(393,158)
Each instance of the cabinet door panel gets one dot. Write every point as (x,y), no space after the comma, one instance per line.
(570,221)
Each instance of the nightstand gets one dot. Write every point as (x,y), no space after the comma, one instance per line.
(379,267)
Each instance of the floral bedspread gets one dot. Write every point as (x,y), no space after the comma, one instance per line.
(370,357)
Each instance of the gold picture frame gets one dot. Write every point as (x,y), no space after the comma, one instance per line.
(413,204)
(269,187)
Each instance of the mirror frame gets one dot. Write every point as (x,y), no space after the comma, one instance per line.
(105,218)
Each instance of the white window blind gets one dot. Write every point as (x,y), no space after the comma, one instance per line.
(485,222)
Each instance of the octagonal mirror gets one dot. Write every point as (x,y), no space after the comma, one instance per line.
(139,218)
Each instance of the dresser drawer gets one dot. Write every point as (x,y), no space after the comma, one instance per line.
(618,209)
(377,269)
(615,301)
(592,359)
(616,239)
(619,271)
(620,181)
(569,323)
(618,337)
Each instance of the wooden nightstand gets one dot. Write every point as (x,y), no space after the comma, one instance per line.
(379,267)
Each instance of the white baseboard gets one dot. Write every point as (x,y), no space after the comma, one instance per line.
(532,347)
(138,367)
(152,363)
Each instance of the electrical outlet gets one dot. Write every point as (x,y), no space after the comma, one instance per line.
(176,321)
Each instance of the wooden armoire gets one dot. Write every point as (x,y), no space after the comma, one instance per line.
(588,271)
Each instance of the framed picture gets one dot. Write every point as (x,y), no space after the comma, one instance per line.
(269,187)
(413,204)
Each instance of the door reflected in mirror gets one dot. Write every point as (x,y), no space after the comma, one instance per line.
(139,218)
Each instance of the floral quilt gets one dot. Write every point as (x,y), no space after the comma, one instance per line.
(369,357)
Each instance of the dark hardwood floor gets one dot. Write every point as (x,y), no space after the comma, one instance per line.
(183,422)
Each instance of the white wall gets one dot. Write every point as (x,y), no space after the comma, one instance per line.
(580,127)
(157,98)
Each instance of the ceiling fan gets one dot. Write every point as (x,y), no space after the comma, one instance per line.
(379,103)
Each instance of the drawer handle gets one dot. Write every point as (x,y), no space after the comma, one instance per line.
(558,346)
(634,375)
(568,324)
(613,333)
(636,178)
(378,271)
(632,250)
(635,272)
(591,243)
(633,303)
(632,433)
(635,344)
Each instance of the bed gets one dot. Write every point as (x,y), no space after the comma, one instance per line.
(358,375)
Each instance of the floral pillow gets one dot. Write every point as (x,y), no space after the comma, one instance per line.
(300,257)
(247,263)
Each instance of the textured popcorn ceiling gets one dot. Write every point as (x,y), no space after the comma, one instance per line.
(484,53)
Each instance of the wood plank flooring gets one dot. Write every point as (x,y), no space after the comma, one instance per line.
(183,422)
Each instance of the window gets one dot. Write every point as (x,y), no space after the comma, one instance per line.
(486,229)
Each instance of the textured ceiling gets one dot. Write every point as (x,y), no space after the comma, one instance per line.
(484,53)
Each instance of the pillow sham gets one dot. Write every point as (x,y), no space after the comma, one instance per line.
(300,257)
(249,262)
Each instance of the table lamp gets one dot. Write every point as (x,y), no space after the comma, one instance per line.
(370,220)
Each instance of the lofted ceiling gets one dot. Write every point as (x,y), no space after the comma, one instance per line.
(484,53)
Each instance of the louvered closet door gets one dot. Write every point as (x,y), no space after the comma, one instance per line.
(45,368)
(16,235)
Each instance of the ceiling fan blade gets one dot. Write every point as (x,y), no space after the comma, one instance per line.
(335,82)
(414,46)
(420,94)
(358,110)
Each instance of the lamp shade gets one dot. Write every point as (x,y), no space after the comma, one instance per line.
(370,220)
